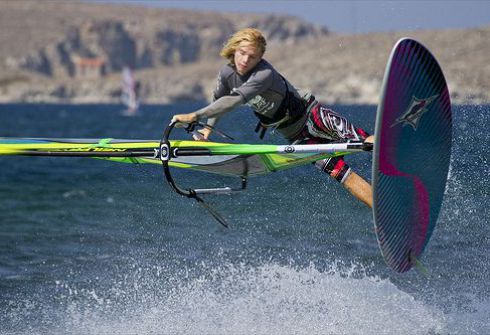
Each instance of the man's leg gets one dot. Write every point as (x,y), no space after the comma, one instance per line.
(341,172)
(369,139)
(359,188)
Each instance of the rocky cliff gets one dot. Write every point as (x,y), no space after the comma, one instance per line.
(48,48)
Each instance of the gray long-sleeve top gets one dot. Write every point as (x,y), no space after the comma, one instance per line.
(263,89)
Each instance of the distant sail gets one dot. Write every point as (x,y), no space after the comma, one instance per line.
(129,92)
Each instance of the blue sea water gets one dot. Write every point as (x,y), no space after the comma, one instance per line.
(94,247)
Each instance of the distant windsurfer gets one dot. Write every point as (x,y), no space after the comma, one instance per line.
(130,92)
(249,79)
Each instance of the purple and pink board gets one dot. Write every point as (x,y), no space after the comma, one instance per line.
(411,153)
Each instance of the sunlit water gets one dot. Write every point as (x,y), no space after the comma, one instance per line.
(88,246)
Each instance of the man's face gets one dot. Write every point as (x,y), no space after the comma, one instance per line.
(246,57)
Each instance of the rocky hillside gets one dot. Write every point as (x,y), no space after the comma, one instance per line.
(47,45)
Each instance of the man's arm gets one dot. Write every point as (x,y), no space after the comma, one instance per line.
(219,107)
(214,110)
(206,132)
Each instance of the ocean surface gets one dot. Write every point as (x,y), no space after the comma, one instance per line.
(95,247)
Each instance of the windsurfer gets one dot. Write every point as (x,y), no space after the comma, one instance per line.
(249,79)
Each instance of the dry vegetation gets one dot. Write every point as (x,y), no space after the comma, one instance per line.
(337,68)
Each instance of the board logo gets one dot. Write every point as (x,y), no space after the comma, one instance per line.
(289,149)
(164,152)
(416,109)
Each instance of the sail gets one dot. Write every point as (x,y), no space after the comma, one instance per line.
(220,158)
(129,91)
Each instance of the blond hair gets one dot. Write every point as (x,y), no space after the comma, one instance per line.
(251,35)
